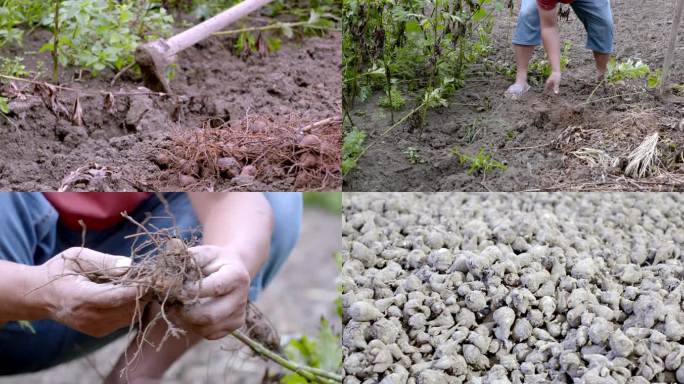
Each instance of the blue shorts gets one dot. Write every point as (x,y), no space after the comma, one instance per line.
(595,15)
(30,234)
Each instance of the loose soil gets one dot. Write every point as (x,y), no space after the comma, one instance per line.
(129,140)
(536,136)
(293,302)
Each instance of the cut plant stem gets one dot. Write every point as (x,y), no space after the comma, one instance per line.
(55,47)
(309,373)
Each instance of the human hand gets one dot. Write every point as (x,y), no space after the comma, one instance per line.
(223,294)
(62,293)
(553,83)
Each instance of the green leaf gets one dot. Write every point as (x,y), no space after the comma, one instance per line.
(328,348)
(4,107)
(26,325)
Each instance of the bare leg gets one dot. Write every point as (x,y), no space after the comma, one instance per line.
(551,39)
(601,63)
(523,54)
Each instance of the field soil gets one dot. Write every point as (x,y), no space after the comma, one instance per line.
(547,143)
(293,302)
(228,113)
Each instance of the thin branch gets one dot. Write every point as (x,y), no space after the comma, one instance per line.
(309,373)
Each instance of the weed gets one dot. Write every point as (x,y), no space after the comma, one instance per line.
(352,148)
(413,156)
(511,134)
(473,129)
(541,68)
(395,100)
(678,89)
(322,352)
(13,67)
(480,163)
(627,69)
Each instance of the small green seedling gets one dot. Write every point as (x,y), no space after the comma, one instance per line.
(480,163)
(413,156)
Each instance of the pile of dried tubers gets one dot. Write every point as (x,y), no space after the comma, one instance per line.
(513,288)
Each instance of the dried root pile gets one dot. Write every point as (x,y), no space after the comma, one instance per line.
(513,288)
(258,149)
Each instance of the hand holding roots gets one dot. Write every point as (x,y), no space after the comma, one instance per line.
(163,266)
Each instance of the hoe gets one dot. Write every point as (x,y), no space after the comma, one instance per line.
(153,57)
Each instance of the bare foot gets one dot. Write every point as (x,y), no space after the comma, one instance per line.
(517,90)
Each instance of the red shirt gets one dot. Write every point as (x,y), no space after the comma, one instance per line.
(551,4)
(98,210)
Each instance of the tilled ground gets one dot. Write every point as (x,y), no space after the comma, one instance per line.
(294,303)
(547,143)
(513,288)
(129,137)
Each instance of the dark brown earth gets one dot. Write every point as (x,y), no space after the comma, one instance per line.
(519,133)
(123,136)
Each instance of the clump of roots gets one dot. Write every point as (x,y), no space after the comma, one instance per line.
(162,267)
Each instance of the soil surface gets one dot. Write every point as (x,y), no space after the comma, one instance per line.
(547,143)
(129,137)
(293,302)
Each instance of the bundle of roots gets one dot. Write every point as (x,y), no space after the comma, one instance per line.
(265,149)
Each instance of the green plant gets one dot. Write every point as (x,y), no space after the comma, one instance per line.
(423,47)
(352,148)
(626,69)
(413,156)
(480,163)
(13,67)
(99,34)
(395,100)
(541,68)
(329,201)
(323,352)
(4,106)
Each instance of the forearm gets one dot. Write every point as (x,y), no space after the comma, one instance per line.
(550,37)
(16,282)
(241,221)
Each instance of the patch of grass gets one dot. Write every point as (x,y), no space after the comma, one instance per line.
(480,163)
(328,201)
